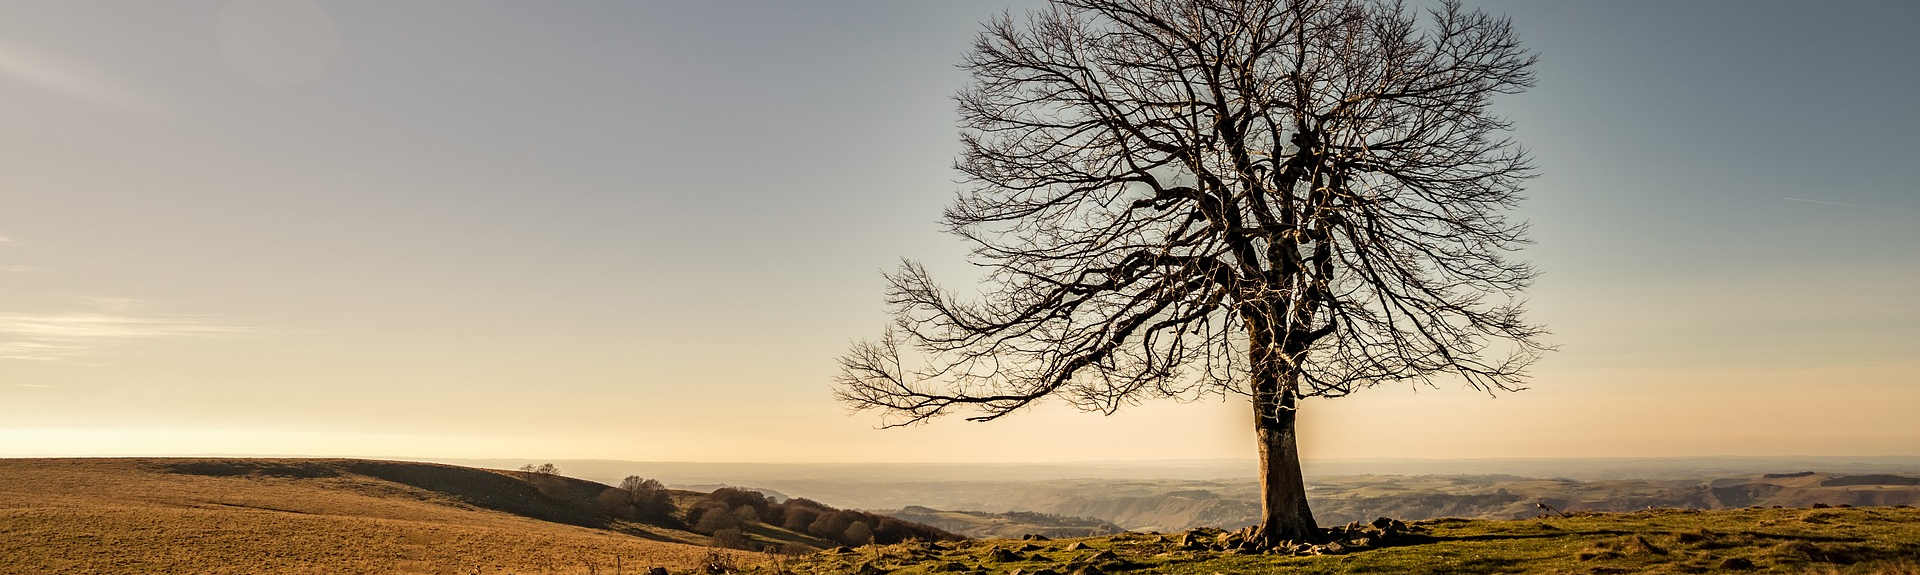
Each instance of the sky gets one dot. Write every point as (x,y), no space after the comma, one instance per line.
(644,230)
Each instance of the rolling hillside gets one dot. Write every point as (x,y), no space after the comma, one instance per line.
(108,516)
(1175,504)
(1863,541)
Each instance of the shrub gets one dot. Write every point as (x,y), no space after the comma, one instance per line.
(858,534)
(799,518)
(717,563)
(731,538)
(733,498)
(614,503)
(712,518)
(794,548)
(831,525)
(649,499)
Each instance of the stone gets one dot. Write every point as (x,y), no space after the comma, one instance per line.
(1103,556)
(657,571)
(1076,546)
(1229,540)
(1029,548)
(1192,540)
(951,566)
(999,555)
(1034,537)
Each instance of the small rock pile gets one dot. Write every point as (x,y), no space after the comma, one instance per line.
(1348,538)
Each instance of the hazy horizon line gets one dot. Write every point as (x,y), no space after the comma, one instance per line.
(1088,462)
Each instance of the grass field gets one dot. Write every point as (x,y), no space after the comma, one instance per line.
(114,516)
(125,516)
(1835,540)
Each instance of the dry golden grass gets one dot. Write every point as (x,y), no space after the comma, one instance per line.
(109,516)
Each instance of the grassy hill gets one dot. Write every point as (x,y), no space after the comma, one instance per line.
(1172,505)
(1880,540)
(108,516)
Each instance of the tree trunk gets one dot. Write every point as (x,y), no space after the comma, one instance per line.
(1284,515)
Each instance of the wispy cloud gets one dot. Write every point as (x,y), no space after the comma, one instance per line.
(1817,202)
(16,269)
(51,337)
(62,76)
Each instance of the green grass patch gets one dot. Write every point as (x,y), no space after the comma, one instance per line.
(1832,540)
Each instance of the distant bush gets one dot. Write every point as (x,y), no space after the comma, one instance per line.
(734,508)
(731,538)
(648,499)
(831,525)
(798,518)
(711,517)
(733,498)
(746,514)
(541,469)
(858,534)
(545,477)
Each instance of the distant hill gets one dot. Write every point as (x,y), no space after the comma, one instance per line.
(1338,500)
(209,516)
(1167,505)
(1012,524)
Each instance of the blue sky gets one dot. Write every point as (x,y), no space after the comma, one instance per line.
(644,229)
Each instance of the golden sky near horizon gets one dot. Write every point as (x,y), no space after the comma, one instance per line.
(576,231)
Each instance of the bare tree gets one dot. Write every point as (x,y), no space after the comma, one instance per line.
(648,498)
(1275,199)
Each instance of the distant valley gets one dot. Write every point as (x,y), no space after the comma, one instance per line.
(1175,505)
(1008,525)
